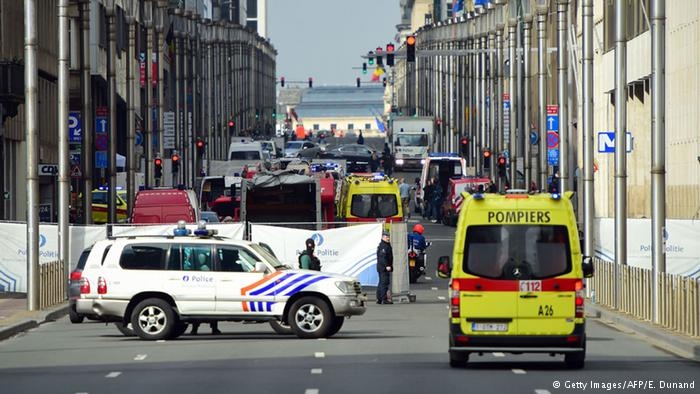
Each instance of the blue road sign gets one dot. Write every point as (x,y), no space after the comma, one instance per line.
(101,159)
(75,158)
(606,142)
(553,157)
(553,122)
(552,139)
(101,124)
(533,138)
(138,140)
(75,127)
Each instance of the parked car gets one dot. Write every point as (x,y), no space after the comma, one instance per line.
(209,216)
(357,156)
(74,287)
(305,149)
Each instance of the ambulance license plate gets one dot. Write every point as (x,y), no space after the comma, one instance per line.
(489,326)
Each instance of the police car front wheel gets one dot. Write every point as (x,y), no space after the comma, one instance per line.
(153,319)
(310,317)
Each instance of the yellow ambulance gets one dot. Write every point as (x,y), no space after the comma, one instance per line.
(367,197)
(517,277)
(100,205)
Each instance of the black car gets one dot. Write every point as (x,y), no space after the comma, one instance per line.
(357,156)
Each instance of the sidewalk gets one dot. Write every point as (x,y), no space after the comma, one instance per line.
(15,318)
(680,345)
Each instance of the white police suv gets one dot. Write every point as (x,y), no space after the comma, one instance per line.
(159,284)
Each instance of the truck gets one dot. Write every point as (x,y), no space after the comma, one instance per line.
(411,140)
(287,197)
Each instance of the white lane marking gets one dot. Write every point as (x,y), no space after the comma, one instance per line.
(160,341)
(316,371)
(519,371)
(499,354)
(311,391)
(433,288)
(82,392)
(441,298)
(322,339)
(428,278)
(140,357)
(113,374)
(542,391)
(319,354)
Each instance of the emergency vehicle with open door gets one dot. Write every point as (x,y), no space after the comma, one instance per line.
(517,278)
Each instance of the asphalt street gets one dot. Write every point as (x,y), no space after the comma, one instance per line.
(400,348)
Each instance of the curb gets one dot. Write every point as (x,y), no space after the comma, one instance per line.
(49,315)
(678,344)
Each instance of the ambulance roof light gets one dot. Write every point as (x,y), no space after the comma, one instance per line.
(556,196)
(478,196)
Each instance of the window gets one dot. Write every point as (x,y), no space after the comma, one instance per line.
(368,126)
(195,257)
(99,197)
(235,259)
(245,155)
(334,126)
(637,17)
(412,140)
(517,252)
(143,256)
(374,205)
(316,127)
(351,126)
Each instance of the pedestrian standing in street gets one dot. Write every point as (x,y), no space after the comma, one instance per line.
(405,193)
(374,162)
(388,163)
(360,139)
(385,265)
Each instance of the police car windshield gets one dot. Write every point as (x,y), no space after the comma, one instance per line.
(517,251)
(268,256)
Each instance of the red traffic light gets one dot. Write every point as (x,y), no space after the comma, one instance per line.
(378,50)
(282,81)
(464,141)
(200,144)
(175,158)
(390,48)
(501,161)
(231,123)
(158,162)
(487,153)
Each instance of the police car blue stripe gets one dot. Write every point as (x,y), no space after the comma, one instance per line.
(287,283)
(303,286)
(271,284)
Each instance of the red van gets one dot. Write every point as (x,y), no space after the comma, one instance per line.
(165,206)
(453,200)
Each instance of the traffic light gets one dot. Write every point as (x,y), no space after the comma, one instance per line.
(357,80)
(370,58)
(175,161)
(501,166)
(231,125)
(364,68)
(464,146)
(158,167)
(379,56)
(411,48)
(311,82)
(200,147)
(384,81)
(390,54)
(257,114)
(487,156)
(282,81)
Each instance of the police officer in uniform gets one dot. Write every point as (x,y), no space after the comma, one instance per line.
(385,263)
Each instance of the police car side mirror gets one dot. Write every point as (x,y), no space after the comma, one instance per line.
(444,268)
(587,266)
(260,267)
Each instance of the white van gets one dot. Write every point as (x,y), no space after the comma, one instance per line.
(247,150)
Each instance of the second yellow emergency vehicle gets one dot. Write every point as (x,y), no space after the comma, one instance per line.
(517,278)
(367,197)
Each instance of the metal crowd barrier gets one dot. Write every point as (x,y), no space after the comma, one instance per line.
(679,296)
(52,284)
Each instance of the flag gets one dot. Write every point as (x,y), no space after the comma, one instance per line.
(378,72)
(170,44)
(380,125)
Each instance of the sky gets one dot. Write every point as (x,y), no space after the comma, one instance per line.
(324,39)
